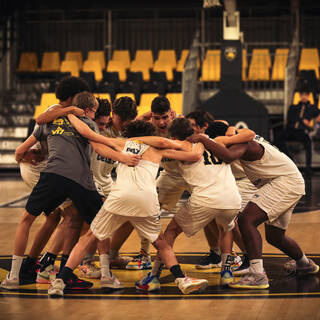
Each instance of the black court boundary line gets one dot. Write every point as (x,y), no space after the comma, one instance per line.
(42,294)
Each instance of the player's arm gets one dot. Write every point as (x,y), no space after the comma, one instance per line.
(145,116)
(160,142)
(190,156)
(89,134)
(106,152)
(58,111)
(24,147)
(243,136)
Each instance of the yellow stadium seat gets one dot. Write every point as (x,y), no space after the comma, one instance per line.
(244,64)
(164,66)
(211,66)
(140,66)
(176,102)
(50,61)
(103,96)
(117,66)
(47,100)
(95,67)
(28,62)
(144,56)
(168,56)
(143,109)
(97,55)
(70,66)
(75,55)
(279,64)
(259,69)
(131,95)
(146,99)
(309,60)
(182,60)
(296,98)
(122,56)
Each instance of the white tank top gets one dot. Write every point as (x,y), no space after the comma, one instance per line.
(212,183)
(272,165)
(134,193)
(237,169)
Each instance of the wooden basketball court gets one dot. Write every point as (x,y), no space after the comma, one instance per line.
(288,298)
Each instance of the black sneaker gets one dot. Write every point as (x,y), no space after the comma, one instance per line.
(244,268)
(211,260)
(28,273)
(74,283)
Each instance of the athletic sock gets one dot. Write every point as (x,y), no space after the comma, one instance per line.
(256,266)
(157,268)
(303,261)
(46,260)
(145,246)
(104,265)
(176,271)
(64,259)
(226,261)
(16,263)
(65,274)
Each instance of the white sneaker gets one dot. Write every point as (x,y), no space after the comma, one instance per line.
(188,285)
(89,270)
(47,275)
(56,288)
(111,282)
(10,284)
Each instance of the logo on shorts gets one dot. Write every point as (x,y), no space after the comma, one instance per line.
(256,195)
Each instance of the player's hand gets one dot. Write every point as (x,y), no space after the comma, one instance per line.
(195,138)
(131,160)
(78,112)
(220,140)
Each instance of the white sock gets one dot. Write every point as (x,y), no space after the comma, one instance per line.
(145,245)
(15,267)
(156,266)
(104,265)
(256,266)
(303,261)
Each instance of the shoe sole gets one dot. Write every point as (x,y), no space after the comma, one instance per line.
(9,287)
(138,268)
(239,286)
(196,288)
(111,286)
(55,294)
(43,281)
(225,282)
(208,266)
(86,276)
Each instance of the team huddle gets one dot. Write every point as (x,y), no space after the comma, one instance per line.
(235,179)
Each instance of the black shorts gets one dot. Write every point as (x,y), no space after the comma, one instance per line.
(53,189)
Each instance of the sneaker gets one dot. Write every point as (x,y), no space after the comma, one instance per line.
(28,273)
(120,262)
(211,260)
(74,283)
(226,277)
(251,281)
(56,288)
(111,282)
(148,283)
(10,284)
(237,262)
(140,262)
(291,267)
(188,285)
(47,275)
(89,270)
(244,267)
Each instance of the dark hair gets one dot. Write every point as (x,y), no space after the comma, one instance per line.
(201,117)
(84,100)
(180,128)
(139,128)
(104,108)
(160,105)
(216,129)
(68,87)
(125,108)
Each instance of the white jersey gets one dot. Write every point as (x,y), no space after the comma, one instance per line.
(134,193)
(237,169)
(212,183)
(273,164)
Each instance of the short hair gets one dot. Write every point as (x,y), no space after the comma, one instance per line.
(125,108)
(84,100)
(201,117)
(180,128)
(68,87)
(304,89)
(160,105)
(139,128)
(216,129)
(104,108)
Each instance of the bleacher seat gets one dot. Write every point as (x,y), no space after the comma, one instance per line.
(211,66)
(309,60)
(123,56)
(50,61)
(28,62)
(141,66)
(97,55)
(70,66)
(95,67)
(75,55)
(182,60)
(176,102)
(144,56)
(165,66)
(244,64)
(296,98)
(103,96)
(145,102)
(279,64)
(47,100)
(259,68)
(117,66)
(168,56)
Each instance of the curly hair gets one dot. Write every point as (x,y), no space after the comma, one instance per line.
(139,128)
(125,108)
(180,128)
(104,108)
(160,105)
(201,117)
(68,87)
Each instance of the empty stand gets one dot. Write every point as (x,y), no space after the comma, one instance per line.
(182,60)
(211,66)
(122,56)
(50,61)
(169,57)
(259,69)
(309,60)
(164,66)
(141,66)
(70,66)
(176,102)
(97,55)
(296,98)
(279,64)
(95,67)
(144,56)
(75,56)
(117,66)
(146,99)
(28,62)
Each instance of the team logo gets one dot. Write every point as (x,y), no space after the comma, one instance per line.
(230,53)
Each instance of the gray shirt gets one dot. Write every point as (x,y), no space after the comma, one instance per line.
(69,152)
